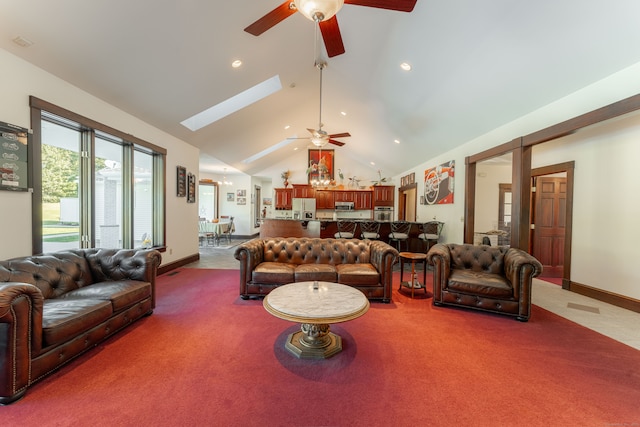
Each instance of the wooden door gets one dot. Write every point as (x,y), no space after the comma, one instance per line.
(550,200)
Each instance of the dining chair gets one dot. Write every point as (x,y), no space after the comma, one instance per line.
(226,229)
(400,233)
(202,232)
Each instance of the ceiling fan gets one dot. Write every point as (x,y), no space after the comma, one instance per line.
(319,137)
(323,12)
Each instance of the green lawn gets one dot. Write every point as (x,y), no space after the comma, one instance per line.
(51,224)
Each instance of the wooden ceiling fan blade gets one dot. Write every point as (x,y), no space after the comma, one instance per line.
(272,18)
(332,37)
(399,5)
(340,135)
(338,143)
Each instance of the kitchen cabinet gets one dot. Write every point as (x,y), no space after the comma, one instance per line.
(344,196)
(325,199)
(283,198)
(383,195)
(363,200)
(303,191)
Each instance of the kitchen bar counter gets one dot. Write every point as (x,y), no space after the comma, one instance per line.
(328,228)
(289,228)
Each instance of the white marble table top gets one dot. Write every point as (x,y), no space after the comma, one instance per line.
(330,303)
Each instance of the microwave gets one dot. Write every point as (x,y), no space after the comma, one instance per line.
(345,206)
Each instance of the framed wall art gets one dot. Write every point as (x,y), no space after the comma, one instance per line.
(438,184)
(191,188)
(231,197)
(181,184)
(14,171)
(321,164)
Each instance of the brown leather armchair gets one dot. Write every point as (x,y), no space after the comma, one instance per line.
(494,279)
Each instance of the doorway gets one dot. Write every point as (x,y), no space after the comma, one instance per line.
(208,200)
(407,202)
(551,219)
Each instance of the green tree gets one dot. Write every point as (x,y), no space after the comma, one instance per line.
(59,173)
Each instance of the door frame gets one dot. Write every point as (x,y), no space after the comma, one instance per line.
(402,201)
(568,168)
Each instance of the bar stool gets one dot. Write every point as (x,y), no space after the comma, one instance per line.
(430,233)
(346,229)
(400,233)
(370,230)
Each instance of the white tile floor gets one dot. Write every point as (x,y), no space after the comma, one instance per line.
(614,322)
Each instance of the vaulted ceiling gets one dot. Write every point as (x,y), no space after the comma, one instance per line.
(475,66)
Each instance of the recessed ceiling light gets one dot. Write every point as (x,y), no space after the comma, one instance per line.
(405,66)
(287,127)
(236,64)
(343,113)
(373,163)
(396,141)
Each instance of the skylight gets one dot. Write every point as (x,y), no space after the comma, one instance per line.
(233,104)
(271,149)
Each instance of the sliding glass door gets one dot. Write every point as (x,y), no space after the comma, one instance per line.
(60,187)
(98,190)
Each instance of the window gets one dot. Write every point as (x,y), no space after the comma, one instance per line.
(208,200)
(97,187)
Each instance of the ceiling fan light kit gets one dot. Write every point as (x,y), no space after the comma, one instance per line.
(319,10)
(323,12)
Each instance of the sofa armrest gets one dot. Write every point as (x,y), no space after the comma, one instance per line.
(440,257)
(519,268)
(382,257)
(20,336)
(250,254)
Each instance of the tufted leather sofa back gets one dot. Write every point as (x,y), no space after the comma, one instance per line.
(480,258)
(60,272)
(296,250)
(54,274)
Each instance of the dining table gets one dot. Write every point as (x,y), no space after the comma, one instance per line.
(213,230)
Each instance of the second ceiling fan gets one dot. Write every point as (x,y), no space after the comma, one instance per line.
(323,12)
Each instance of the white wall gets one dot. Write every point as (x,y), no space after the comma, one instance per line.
(606,204)
(488,179)
(20,80)
(606,184)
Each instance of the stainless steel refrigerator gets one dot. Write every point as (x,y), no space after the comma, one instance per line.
(303,208)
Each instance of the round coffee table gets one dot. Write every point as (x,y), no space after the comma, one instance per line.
(315,305)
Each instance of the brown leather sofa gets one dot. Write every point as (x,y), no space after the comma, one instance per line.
(489,278)
(363,264)
(55,306)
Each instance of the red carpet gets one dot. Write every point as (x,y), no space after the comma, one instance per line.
(206,357)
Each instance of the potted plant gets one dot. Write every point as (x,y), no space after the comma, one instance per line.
(380,180)
(285,177)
